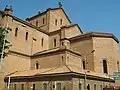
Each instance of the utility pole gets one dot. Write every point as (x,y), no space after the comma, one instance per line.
(85,59)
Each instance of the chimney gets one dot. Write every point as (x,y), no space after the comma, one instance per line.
(8,10)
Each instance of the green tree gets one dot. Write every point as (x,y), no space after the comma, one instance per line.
(4,43)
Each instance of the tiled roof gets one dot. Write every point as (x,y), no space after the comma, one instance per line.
(55,70)
(55,50)
(24,22)
(46,12)
(28,24)
(40,71)
(72,25)
(94,34)
(1,12)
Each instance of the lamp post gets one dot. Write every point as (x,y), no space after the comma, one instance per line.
(85,59)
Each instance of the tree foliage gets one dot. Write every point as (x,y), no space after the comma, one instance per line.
(3,42)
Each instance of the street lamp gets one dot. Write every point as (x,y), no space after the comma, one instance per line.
(85,58)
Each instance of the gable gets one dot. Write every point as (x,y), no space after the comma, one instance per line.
(57,19)
(62,12)
(72,31)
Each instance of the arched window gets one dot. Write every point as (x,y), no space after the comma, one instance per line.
(88,87)
(37,23)
(15,86)
(42,41)
(22,86)
(80,86)
(95,87)
(33,87)
(26,36)
(105,66)
(62,43)
(62,58)
(101,87)
(37,65)
(16,32)
(54,42)
(61,21)
(56,22)
(64,88)
(44,86)
(43,20)
(118,66)
(58,86)
(83,62)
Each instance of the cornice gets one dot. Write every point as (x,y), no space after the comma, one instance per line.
(59,50)
(94,34)
(46,12)
(26,23)
(40,77)
(19,53)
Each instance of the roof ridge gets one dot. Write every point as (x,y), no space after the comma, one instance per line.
(26,23)
(97,34)
(46,12)
(11,73)
(51,69)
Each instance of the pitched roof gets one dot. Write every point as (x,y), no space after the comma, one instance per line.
(39,14)
(55,50)
(94,34)
(28,24)
(56,71)
(72,25)
(1,12)
(67,26)
(24,22)
(39,71)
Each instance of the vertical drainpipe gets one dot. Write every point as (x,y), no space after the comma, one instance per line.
(8,82)
(55,86)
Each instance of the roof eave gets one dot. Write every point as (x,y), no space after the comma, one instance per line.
(94,34)
(26,23)
(72,74)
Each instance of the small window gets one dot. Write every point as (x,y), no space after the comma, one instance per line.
(54,42)
(56,22)
(118,66)
(105,66)
(101,87)
(16,32)
(12,19)
(26,37)
(37,23)
(83,62)
(15,86)
(80,86)
(60,21)
(44,86)
(64,88)
(43,20)
(88,87)
(94,86)
(62,58)
(42,41)
(58,86)
(34,39)
(37,65)
(33,87)
(62,43)
(22,86)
